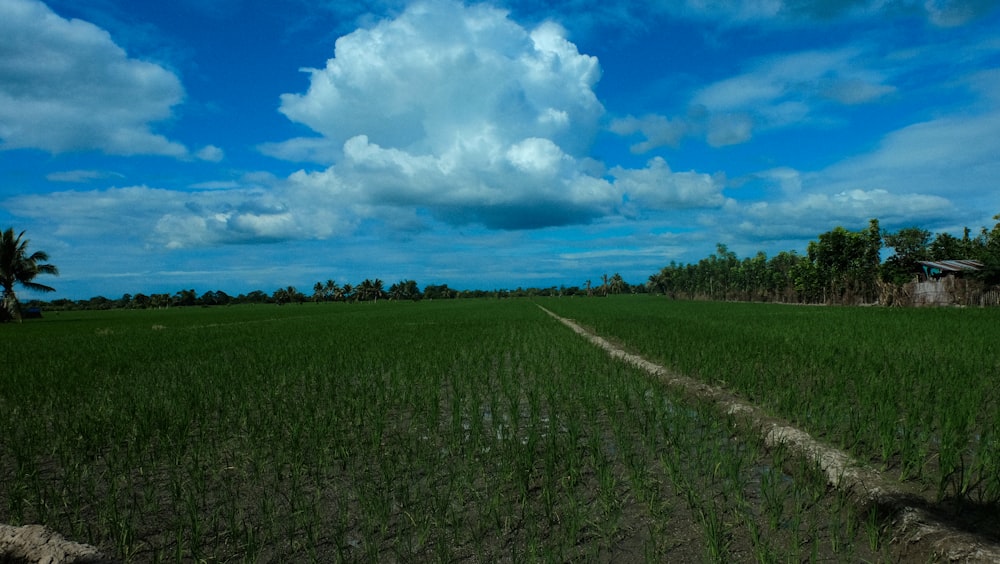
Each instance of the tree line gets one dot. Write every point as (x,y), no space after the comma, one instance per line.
(329,291)
(839,267)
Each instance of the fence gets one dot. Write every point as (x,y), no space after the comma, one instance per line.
(950,291)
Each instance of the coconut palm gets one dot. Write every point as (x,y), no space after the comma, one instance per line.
(617,284)
(19,267)
(377,289)
(331,289)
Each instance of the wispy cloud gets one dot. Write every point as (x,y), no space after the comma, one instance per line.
(81,176)
(779,91)
(66,86)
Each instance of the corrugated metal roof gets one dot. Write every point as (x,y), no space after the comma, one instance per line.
(953,265)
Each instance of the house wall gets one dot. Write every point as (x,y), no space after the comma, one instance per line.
(949,290)
(933,292)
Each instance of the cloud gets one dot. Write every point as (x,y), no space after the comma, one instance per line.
(80,175)
(808,215)
(658,187)
(448,114)
(658,130)
(459,111)
(775,92)
(839,75)
(442,74)
(176,219)
(945,13)
(952,158)
(210,153)
(950,13)
(66,86)
(787,89)
(933,174)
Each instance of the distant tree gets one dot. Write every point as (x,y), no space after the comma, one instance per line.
(282,296)
(98,303)
(330,290)
(780,282)
(946,246)
(846,263)
(364,290)
(404,290)
(19,267)
(186,298)
(287,295)
(214,298)
(440,291)
(989,254)
(910,246)
(256,297)
(617,284)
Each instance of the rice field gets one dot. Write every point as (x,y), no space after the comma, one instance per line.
(465,431)
(914,391)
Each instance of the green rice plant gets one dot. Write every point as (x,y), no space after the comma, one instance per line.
(891,385)
(446,430)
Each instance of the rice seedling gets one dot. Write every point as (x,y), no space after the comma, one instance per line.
(912,389)
(442,430)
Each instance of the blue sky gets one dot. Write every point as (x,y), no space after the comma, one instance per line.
(247,144)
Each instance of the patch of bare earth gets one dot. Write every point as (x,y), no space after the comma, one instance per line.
(33,544)
(919,531)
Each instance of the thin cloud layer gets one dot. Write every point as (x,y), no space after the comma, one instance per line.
(66,86)
(776,92)
(945,13)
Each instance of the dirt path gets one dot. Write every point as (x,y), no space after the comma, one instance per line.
(916,531)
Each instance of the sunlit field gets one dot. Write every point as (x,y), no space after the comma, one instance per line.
(914,391)
(478,430)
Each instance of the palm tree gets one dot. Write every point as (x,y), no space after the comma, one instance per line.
(617,284)
(331,289)
(18,267)
(378,289)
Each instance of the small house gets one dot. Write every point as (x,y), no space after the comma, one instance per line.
(941,282)
(934,270)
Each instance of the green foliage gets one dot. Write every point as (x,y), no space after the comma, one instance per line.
(909,246)
(840,267)
(18,267)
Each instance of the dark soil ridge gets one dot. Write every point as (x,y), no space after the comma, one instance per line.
(919,531)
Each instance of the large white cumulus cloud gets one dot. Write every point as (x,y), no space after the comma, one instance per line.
(461,112)
(442,75)
(65,85)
